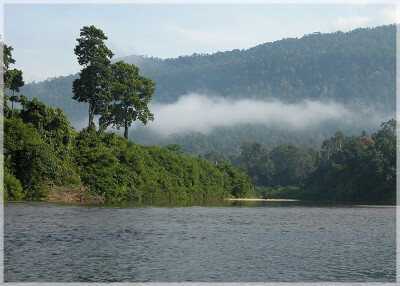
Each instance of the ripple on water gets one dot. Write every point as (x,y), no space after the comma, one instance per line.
(285,243)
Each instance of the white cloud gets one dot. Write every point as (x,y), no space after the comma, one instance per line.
(388,15)
(346,24)
(384,16)
(200,113)
(205,37)
(222,37)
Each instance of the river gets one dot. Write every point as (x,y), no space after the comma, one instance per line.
(227,242)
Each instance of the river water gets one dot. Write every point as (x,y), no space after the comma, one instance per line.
(231,242)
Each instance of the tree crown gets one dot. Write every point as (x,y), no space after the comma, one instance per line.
(91,48)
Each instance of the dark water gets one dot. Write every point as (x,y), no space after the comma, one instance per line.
(260,242)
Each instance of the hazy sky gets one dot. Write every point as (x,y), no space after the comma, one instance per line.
(44,35)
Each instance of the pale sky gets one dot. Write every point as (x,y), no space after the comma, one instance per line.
(44,35)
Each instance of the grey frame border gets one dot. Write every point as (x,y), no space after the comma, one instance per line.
(188,2)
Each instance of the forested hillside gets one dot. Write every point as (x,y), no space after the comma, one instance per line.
(356,69)
(358,66)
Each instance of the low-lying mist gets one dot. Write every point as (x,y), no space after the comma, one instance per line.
(201,113)
(205,114)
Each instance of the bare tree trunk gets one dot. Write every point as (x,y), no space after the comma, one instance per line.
(126,128)
(91,113)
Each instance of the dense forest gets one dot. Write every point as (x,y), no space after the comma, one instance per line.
(228,140)
(42,151)
(357,169)
(355,67)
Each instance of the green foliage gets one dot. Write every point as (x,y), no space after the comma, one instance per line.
(57,93)
(284,165)
(55,130)
(41,150)
(38,147)
(93,83)
(7,57)
(7,112)
(288,192)
(254,160)
(12,187)
(13,99)
(228,140)
(121,170)
(51,123)
(215,157)
(176,148)
(12,79)
(32,161)
(131,94)
(238,184)
(15,80)
(358,169)
(7,60)
(252,153)
(292,164)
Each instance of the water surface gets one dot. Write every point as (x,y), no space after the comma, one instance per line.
(235,242)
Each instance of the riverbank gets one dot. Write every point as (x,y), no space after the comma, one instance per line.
(81,194)
(71,195)
(264,200)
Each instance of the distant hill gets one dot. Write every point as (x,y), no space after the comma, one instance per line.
(356,68)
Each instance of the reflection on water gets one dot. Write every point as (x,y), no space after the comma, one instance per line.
(229,241)
(214,203)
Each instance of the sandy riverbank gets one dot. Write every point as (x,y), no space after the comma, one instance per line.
(265,200)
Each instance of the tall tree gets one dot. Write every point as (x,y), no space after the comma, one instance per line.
(215,157)
(16,82)
(93,84)
(7,60)
(12,78)
(7,56)
(292,164)
(131,94)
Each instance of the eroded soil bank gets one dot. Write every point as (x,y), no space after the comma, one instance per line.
(79,194)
